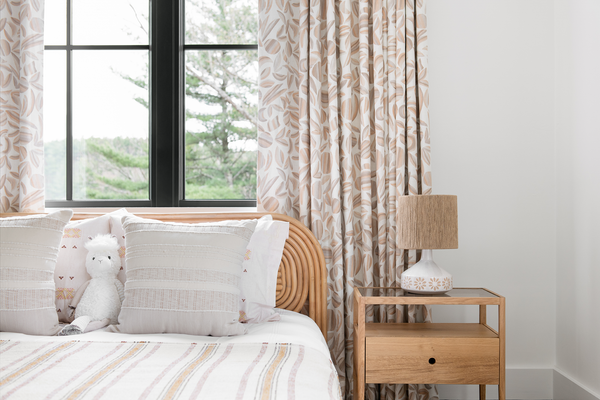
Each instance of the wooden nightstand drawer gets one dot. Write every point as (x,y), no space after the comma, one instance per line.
(427,359)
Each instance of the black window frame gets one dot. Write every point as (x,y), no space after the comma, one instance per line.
(167,111)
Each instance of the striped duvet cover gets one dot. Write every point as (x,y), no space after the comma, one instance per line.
(155,370)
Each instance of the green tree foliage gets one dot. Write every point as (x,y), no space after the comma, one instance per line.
(115,168)
(102,168)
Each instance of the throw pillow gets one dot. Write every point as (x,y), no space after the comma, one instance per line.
(259,270)
(28,253)
(116,229)
(183,278)
(70,272)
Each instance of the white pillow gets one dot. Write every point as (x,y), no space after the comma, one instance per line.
(183,278)
(70,272)
(258,283)
(116,229)
(259,270)
(28,253)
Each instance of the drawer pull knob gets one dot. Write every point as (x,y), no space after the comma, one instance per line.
(432,361)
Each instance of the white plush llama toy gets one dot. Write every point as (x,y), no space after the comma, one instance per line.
(101,296)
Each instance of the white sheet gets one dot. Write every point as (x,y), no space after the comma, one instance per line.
(292,328)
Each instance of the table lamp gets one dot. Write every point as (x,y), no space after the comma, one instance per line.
(427,222)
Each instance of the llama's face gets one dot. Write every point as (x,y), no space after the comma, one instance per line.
(103,263)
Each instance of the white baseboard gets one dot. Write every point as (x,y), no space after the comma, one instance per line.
(525,384)
(565,388)
(522,384)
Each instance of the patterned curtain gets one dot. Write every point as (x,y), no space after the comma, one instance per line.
(22,148)
(343,130)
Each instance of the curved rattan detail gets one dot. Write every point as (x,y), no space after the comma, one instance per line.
(302,275)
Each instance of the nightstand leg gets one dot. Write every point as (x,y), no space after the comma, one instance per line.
(483,321)
(502,337)
(359,390)
(359,350)
(482,314)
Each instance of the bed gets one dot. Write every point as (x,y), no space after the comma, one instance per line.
(286,359)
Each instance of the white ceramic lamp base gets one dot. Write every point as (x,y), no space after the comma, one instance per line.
(426,277)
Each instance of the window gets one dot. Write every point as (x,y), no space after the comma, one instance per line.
(150,103)
(221,65)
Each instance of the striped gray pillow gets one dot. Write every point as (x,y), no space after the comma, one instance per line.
(28,254)
(183,278)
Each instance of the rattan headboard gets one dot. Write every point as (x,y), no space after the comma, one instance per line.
(302,277)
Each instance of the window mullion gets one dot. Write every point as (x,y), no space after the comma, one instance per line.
(69,88)
(164,102)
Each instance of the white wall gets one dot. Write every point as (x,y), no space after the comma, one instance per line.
(577,105)
(492,125)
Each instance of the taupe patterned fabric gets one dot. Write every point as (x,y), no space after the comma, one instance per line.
(22,146)
(343,129)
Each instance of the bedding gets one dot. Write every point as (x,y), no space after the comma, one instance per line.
(259,270)
(116,229)
(287,359)
(70,272)
(262,259)
(301,282)
(183,278)
(28,254)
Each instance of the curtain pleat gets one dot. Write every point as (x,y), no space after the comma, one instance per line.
(343,131)
(21,69)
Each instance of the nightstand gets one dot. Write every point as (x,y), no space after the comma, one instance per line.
(445,353)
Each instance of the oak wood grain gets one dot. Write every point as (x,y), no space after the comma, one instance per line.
(433,300)
(429,330)
(502,335)
(359,346)
(400,353)
(472,361)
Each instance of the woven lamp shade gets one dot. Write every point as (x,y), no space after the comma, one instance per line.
(427,222)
